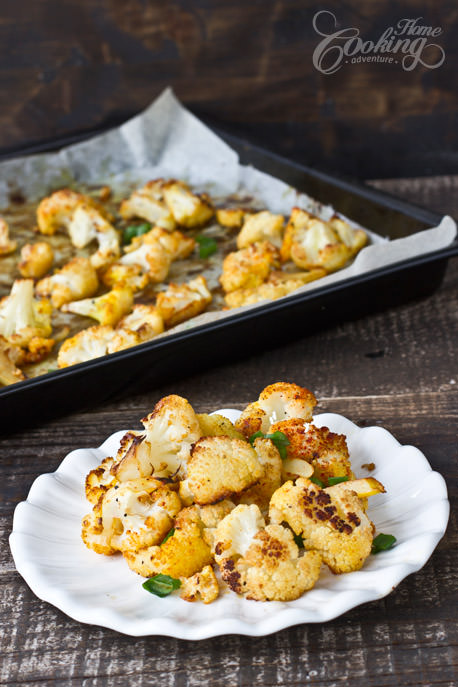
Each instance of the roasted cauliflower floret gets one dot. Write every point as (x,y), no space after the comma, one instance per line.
(270,479)
(88,224)
(164,447)
(150,254)
(77,279)
(280,401)
(354,239)
(231,217)
(85,345)
(262,562)
(106,309)
(7,245)
(188,209)
(201,586)
(262,226)
(330,521)
(99,480)
(217,425)
(130,275)
(249,267)
(142,324)
(36,259)
(278,284)
(219,467)
(148,203)
(175,243)
(22,317)
(180,302)
(325,451)
(134,515)
(56,211)
(10,355)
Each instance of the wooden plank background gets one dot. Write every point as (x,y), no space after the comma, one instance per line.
(76,65)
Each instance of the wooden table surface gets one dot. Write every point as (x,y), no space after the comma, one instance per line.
(409,638)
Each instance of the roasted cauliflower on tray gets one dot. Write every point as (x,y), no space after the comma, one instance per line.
(198,504)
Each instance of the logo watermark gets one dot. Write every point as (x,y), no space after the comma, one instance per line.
(408,43)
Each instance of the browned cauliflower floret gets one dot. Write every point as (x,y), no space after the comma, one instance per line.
(164,447)
(201,586)
(354,239)
(217,425)
(249,267)
(56,211)
(279,401)
(175,243)
(10,355)
(131,516)
(36,259)
(106,309)
(188,209)
(330,521)
(180,302)
(218,468)
(230,217)
(142,324)
(150,255)
(278,284)
(99,480)
(270,479)
(22,317)
(88,224)
(85,345)
(325,451)
(7,245)
(131,275)
(262,562)
(148,203)
(77,279)
(262,226)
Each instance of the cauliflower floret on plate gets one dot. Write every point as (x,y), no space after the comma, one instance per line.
(131,516)
(164,447)
(219,467)
(261,226)
(278,284)
(107,309)
(201,586)
(271,478)
(99,480)
(279,401)
(85,345)
(331,521)
(75,280)
(188,209)
(7,245)
(262,563)
(148,203)
(88,223)
(249,267)
(142,324)
(36,259)
(180,302)
(23,318)
(217,425)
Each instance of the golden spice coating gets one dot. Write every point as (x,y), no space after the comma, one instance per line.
(278,284)
(170,430)
(38,348)
(271,477)
(142,324)
(99,480)
(231,217)
(217,425)
(261,226)
(188,209)
(354,239)
(148,203)
(330,521)
(150,254)
(87,344)
(202,586)
(298,220)
(279,401)
(134,515)
(175,243)
(75,280)
(22,317)
(10,354)
(130,275)
(220,467)
(249,267)
(55,211)
(7,245)
(36,259)
(180,302)
(106,309)
(89,223)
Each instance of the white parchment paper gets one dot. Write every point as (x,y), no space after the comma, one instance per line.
(166,140)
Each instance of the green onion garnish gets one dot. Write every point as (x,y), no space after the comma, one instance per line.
(134,230)
(161,585)
(383,542)
(299,541)
(317,481)
(207,246)
(337,480)
(280,440)
(169,534)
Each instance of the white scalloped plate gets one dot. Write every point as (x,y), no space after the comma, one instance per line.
(101,590)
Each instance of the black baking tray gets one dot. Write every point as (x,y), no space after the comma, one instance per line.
(166,359)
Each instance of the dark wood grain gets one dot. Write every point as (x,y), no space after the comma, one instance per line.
(409,638)
(67,67)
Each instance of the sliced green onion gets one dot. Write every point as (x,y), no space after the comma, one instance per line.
(337,480)
(134,230)
(161,585)
(299,541)
(168,535)
(280,440)
(317,481)
(207,246)
(383,542)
